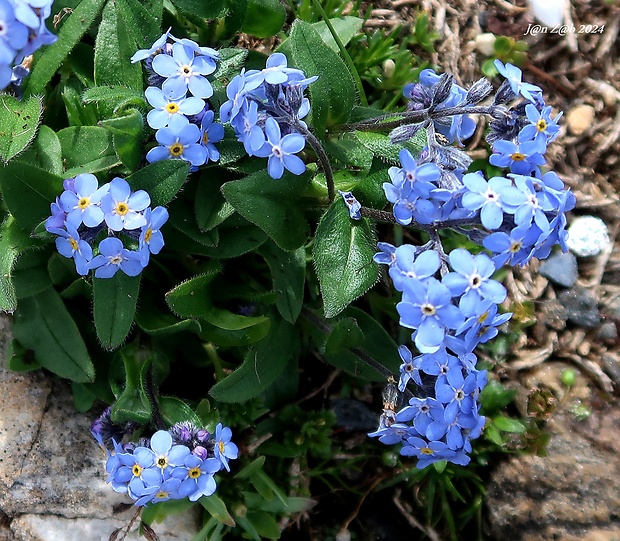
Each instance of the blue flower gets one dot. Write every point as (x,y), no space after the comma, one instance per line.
(183,72)
(513,76)
(541,128)
(472,277)
(199,481)
(165,107)
(522,158)
(112,257)
(421,411)
(224,449)
(515,247)
(411,266)
(281,151)
(409,370)
(392,434)
(427,307)
(387,255)
(83,204)
(122,208)
(143,54)
(13,34)
(211,132)
(178,141)
(69,245)
(427,452)
(455,391)
(150,235)
(353,205)
(165,454)
(490,197)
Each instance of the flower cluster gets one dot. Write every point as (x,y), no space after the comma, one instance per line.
(266,108)
(173,464)
(451,301)
(179,87)
(22,32)
(86,214)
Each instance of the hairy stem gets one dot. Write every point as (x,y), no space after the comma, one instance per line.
(322,156)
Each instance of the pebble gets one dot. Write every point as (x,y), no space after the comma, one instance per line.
(608,332)
(579,118)
(581,307)
(561,269)
(485,43)
(611,366)
(587,236)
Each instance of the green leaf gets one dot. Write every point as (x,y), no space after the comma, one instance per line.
(217,508)
(114,47)
(127,131)
(209,204)
(143,24)
(30,275)
(28,191)
(263,364)
(333,94)
(188,298)
(43,324)
(18,124)
(495,396)
(207,9)
(263,18)
(376,343)
(288,271)
(265,524)
(87,149)
(381,146)
(47,150)
(132,403)
(13,242)
(505,424)
(346,27)
(114,307)
(239,338)
(157,323)
(230,62)
(114,94)
(272,205)
(71,32)
(343,251)
(162,180)
(175,411)
(345,334)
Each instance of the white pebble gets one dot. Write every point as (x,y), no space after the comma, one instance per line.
(549,12)
(587,236)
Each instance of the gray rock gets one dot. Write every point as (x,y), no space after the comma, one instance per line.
(608,332)
(572,494)
(52,473)
(582,307)
(561,269)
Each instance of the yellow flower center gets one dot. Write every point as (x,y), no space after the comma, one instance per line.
(221,446)
(136,470)
(74,244)
(428,310)
(176,149)
(518,157)
(162,462)
(515,247)
(116,260)
(172,108)
(427,451)
(161,495)
(148,234)
(121,208)
(194,473)
(205,138)
(186,71)
(541,125)
(83,203)
(483,317)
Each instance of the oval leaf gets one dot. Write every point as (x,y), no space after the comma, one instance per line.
(343,250)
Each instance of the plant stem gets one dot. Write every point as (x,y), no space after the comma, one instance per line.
(345,55)
(322,156)
(151,391)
